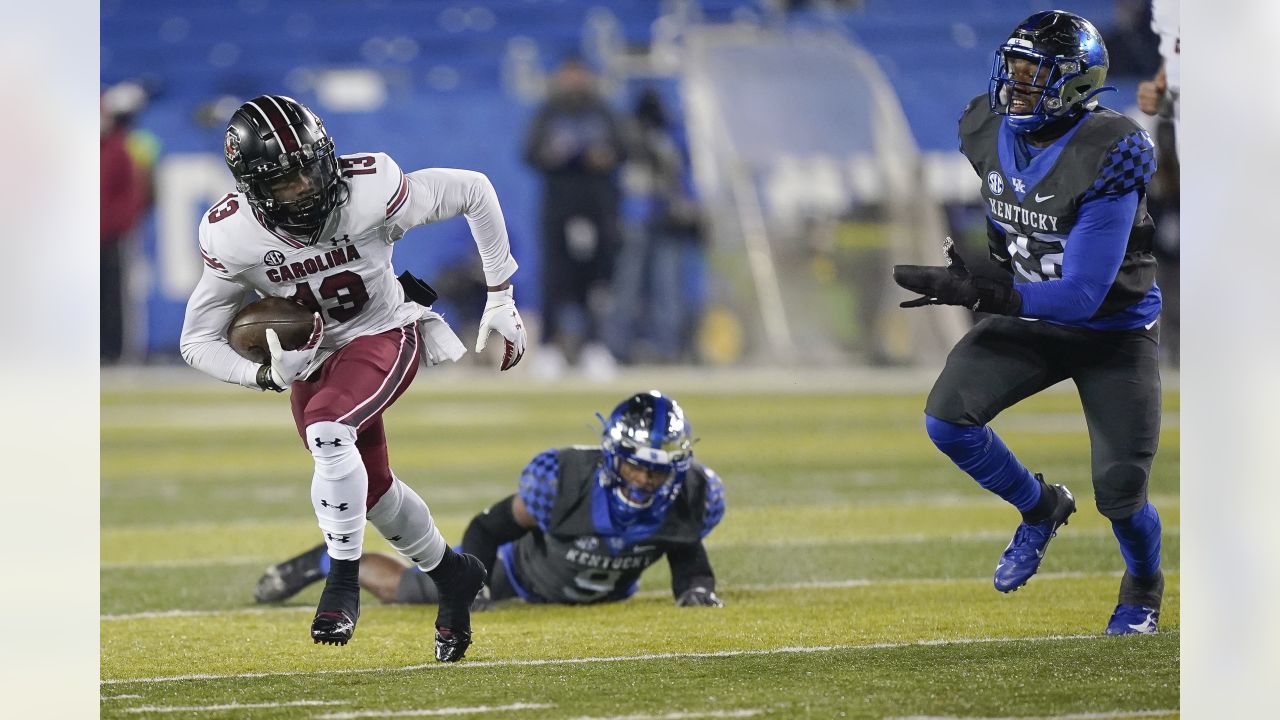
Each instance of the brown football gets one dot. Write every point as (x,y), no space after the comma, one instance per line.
(247,332)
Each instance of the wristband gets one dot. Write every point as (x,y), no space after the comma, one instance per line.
(265,381)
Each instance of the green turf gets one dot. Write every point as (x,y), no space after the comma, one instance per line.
(854,560)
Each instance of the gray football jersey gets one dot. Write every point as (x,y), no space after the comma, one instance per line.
(569,562)
(1032,210)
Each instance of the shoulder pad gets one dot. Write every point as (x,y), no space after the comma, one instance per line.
(539,485)
(714,505)
(1128,165)
(378,187)
(975,118)
(225,236)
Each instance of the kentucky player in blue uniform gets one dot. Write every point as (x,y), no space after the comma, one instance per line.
(1064,181)
(583,525)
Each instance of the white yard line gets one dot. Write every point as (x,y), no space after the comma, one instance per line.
(677,715)
(1072,716)
(461,667)
(432,712)
(229,706)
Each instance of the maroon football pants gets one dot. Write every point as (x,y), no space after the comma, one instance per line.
(354,386)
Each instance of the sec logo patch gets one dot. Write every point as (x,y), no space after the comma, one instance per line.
(995,183)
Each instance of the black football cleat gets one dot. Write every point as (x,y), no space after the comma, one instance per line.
(332,627)
(453,622)
(339,606)
(283,581)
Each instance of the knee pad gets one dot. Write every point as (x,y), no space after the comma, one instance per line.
(1120,490)
(954,439)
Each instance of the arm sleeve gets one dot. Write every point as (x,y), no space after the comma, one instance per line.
(494,527)
(203,344)
(440,193)
(690,567)
(539,486)
(1094,251)
(1097,243)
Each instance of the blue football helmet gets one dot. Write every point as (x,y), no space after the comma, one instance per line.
(1070,62)
(647,430)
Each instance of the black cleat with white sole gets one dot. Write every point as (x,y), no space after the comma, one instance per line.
(457,593)
(339,606)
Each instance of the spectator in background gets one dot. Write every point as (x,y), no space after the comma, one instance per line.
(654,316)
(124,189)
(1159,96)
(577,142)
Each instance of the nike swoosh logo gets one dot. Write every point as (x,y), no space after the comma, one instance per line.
(1146,625)
(1040,198)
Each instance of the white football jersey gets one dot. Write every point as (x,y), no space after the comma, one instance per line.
(347,273)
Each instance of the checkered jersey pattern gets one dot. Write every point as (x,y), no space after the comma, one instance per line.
(715,501)
(538,487)
(1129,166)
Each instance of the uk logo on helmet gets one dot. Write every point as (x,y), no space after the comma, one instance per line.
(995,183)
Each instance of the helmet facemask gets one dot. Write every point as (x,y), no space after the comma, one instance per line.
(298,194)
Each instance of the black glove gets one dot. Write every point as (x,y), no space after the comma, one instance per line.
(698,597)
(953,285)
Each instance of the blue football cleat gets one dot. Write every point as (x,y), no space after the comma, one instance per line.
(1133,620)
(1021,559)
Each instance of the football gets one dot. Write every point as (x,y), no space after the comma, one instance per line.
(247,332)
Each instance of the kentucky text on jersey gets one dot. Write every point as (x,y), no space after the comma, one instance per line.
(605,562)
(1013,213)
(319,263)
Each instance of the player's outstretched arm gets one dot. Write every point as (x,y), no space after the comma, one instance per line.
(692,581)
(501,523)
(953,285)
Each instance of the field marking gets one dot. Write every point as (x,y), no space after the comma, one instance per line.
(1071,716)
(677,715)
(229,706)
(431,712)
(119,697)
(460,667)
(752,587)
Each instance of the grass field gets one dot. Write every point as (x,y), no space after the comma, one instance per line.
(854,561)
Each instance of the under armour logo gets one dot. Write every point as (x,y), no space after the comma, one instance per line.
(338,538)
(335,240)
(340,507)
(336,442)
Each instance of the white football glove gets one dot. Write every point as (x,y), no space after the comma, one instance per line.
(500,314)
(288,366)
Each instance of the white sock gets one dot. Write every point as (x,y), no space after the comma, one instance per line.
(338,487)
(405,521)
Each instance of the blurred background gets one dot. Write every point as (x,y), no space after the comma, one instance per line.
(746,173)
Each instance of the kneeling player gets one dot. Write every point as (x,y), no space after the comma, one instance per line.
(582,527)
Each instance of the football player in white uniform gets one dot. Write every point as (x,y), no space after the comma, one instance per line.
(307,224)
